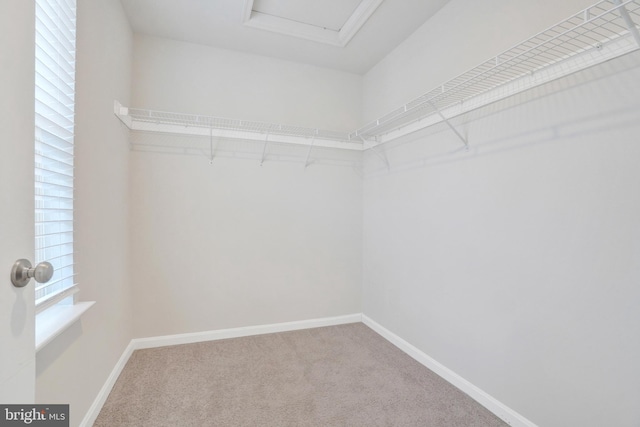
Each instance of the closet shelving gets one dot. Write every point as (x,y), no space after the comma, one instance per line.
(599,33)
(604,31)
(191,124)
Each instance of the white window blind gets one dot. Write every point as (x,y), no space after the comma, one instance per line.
(54,124)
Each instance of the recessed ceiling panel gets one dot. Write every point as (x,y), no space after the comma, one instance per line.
(333,22)
(326,14)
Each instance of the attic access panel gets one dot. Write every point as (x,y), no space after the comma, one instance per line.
(332,22)
(326,14)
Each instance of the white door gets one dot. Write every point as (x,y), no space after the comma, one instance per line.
(17,322)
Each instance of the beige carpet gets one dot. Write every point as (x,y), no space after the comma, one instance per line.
(336,376)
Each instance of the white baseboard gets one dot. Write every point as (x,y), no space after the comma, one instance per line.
(96,406)
(162,341)
(502,411)
(222,334)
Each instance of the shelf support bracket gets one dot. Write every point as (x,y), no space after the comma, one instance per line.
(379,154)
(306,161)
(382,156)
(444,119)
(264,150)
(624,13)
(211,152)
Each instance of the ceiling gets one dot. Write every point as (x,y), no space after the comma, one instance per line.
(324,33)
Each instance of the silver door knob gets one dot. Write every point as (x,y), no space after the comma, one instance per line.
(22,272)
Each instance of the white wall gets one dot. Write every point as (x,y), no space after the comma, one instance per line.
(516,264)
(190,78)
(233,244)
(73,368)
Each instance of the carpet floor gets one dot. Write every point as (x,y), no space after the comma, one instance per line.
(343,375)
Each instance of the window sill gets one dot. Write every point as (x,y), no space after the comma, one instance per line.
(55,320)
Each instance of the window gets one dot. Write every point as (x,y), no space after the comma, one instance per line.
(54,138)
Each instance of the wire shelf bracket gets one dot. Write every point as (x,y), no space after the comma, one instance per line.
(306,161)
(624,13)
(211,149)
(380,155)
(444,119)
(264,150)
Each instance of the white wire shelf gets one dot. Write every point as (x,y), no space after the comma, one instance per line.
(606,30)
(599,33)
(139,119)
